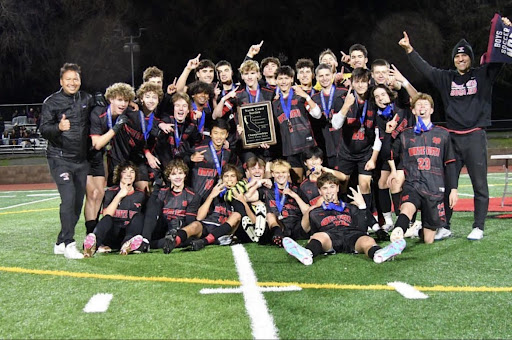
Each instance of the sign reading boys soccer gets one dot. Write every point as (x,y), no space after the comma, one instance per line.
(499,48)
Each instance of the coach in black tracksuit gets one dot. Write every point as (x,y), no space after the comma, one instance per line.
(466,93)
(65,124)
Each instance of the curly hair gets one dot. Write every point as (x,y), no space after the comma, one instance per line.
(151,72)
(122,167)
(122,90)
(175,164)
(150,87)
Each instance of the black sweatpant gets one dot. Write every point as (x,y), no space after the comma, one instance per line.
(114,234)
(471,150)
(70,178)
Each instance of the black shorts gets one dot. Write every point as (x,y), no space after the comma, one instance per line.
(333,162)
(96,169)
(344,239)
(347,166)
(293,230)
(433,214)
(295,161)
(208,228)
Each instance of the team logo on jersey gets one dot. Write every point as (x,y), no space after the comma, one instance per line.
(64,176)
(436,140)
(137,205)
(184,203)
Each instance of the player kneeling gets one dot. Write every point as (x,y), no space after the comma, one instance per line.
(338,227)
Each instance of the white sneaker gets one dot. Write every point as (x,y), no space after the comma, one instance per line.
(442,233)
(72,253)
(58,249)
(396,234)
(476,234)
(414,230)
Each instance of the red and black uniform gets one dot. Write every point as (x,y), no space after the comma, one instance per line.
(133,140)
(174,144)
(204,174)
(290,215)
(344,228)
(294,128)
(203,124)
(328,138)
(219,212)
(358,136)
(309,191)
(428,160)
(127,221)
(167,210)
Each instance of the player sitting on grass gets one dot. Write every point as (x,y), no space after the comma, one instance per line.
(338,227)
(215,217)
(122,216)
(428,160)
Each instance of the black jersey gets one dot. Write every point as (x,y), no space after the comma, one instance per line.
(204,174)
(423,157)
(131,142)
(99,126)
(358,131)
(309,191)
(295,130)
(405,120)
(351,218)
(290,216)
(172,205)
(203,124)
(130,205)
(328,138)
(174,144)
(220,210)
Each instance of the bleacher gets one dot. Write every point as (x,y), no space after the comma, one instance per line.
(38,147)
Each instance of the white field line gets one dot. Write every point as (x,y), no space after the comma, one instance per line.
(98,303)
(262,322)
(467,195)
(7,196)
(25,191)
(27,203)
(239,290)
(43,195)
(407,291)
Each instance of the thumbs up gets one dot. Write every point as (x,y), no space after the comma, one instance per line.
(64,124)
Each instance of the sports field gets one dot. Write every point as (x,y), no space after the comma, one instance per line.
(251,291)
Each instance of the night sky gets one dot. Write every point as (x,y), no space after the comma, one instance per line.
(37,37)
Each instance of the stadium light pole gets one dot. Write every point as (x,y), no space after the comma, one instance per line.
(131,47)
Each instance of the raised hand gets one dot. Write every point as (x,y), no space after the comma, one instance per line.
(64,124)
(198,156)
(405,43)
(345,58)
(254,49)
(193,63)
(172,87)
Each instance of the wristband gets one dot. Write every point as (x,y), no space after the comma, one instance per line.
(405,83)
(308,98)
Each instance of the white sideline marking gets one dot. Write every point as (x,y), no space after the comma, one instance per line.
(27,203)
(262,323)
(7,196)
(98,303)
(239,290)
(37,195)
(23,191)
(468,195)
(407,291)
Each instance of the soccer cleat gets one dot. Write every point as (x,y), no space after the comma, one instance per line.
(476,234)
(104,250)
(413,230)
(89,245)
(144,247)
(58,249)
(277,240)
(169,241)
(198,244)
(299,252)
(397,234)
(248,227)
(131,245)
(390,251)
(261,219)
(72,253)
(442,233)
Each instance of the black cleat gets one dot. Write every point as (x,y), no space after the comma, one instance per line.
(169,241)
(198,244)
(277,240)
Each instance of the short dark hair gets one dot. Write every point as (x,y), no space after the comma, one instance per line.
(205,63)
(268,60)
(311,152)
(220,124)
(122,167)
(304,62)
(360,73)
(323,67)
(200,87)
(392,94)
(286,70)
(358,47)
(327,177)
(70,67)
(230,167)
(380,62)
(223,63)
(252,161)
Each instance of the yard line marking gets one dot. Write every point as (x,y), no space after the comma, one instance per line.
(98,303)
(467,195)
(24,191)
(262,322)
(26,211)
(27,203)
(37,195)
(7,196)
(407,291)
(221,282)
(239,290)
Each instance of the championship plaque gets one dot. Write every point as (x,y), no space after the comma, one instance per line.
(258,124)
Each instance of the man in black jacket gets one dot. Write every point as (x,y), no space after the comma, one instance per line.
(65,124)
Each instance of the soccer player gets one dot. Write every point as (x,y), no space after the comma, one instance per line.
(357,57)
(305,74)
(285,208)
(225,76)
(429,162)
(106,122)
(169,208)
(383,74)
(65,124)
(291,116)
(215,217)
(337,227)
(204,71)
(122,215)
(466,94)
(201,93)
(155,75)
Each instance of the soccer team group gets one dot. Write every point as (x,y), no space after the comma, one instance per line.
(350,146)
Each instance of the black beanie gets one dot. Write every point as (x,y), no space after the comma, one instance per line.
(463,47)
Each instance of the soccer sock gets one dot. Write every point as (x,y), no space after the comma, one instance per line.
(368,201)
(221,230)
(181,236)
(384,200)
(372,250)
(315,247)
(89,226)
(413,219)
(402,222)
(276,231)
(420,234)
(396,202)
